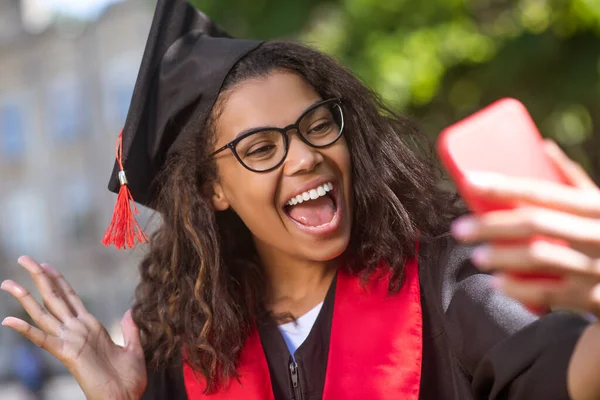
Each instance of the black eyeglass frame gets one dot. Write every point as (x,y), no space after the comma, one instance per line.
(295,126)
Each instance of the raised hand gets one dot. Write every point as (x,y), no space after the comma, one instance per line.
(103,369)
(568,213)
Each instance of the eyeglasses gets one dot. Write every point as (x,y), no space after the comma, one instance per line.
(264,149)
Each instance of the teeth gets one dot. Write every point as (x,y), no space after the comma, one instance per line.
(311,194)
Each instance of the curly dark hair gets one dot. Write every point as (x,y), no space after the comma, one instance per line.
(201,282)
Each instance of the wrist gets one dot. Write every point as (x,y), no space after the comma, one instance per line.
(582,373)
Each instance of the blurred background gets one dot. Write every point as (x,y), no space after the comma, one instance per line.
(68,67)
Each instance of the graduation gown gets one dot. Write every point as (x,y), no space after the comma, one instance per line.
(446,335)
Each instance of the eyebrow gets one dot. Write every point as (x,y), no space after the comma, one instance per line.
(260,128)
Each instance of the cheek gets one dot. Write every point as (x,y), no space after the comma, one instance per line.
(342,152)
(341,157)
(244,189)
(343,161)
(252,197)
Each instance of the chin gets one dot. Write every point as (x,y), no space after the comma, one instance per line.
(325,250)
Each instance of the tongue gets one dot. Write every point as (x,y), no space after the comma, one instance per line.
(313,212)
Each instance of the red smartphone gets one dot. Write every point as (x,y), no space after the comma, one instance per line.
(501,138)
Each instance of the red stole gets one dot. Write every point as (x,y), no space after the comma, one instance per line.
(375,349)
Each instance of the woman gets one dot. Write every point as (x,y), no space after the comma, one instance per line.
(303,251)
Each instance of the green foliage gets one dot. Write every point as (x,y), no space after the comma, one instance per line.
(440,60)
(260,19)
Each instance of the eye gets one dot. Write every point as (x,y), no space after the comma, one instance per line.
(320,127)
(260,150)
(260,145)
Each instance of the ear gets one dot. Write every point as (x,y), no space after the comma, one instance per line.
(219,200)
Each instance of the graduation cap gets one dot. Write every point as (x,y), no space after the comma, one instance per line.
(186,60)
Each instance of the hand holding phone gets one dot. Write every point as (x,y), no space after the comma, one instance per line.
(502,138)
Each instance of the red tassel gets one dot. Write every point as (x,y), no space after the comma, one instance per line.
(124,230)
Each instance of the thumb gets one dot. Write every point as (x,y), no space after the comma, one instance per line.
(131,334)
(572,171)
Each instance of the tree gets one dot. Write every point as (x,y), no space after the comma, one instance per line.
(440,60)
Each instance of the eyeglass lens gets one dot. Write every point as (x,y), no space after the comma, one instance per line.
(264,150)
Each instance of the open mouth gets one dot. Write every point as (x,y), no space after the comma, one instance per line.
(314,208)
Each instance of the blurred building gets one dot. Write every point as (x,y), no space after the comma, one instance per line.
(65,87)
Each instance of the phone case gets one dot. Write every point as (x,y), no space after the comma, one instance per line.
(501,138)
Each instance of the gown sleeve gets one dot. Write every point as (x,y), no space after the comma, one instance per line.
(506,351)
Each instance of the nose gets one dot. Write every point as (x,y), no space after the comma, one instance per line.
(301,157)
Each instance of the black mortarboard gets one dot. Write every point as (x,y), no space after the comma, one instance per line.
(186,60)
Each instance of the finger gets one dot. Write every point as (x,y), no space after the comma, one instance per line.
(74,302)
(571,170)
(572,292)
(522,224)
(57,288)
(72,299)
(39,314)
(520,191)
(79,322)
(131,334)
(537,257)
(51,294)
(40,338)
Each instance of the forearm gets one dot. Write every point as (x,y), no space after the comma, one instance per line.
(583,375)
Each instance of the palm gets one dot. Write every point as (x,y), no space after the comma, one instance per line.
(109,368)
(103,369)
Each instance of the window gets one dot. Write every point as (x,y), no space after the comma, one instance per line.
(9,21)
(66,109)
(12,128)
(78,216)
(119,81)
(25,228)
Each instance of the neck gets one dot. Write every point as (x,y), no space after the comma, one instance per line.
(294,286)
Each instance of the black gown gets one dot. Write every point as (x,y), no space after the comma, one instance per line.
(477,343)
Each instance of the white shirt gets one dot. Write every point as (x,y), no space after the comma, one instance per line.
(295,332)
